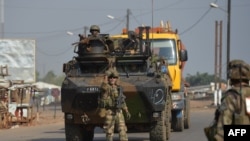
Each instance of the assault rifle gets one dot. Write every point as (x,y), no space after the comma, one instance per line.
(120,99)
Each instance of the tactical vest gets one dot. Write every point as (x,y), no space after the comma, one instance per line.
(242,114)
(110,100)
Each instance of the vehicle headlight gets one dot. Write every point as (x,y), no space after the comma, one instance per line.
(69,116)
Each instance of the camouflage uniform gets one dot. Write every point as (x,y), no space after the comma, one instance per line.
(114,116)
(165,71)
(233,105)
(95,39)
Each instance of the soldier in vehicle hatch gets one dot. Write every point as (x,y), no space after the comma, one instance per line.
(163,68)
(113,101)
(95,39)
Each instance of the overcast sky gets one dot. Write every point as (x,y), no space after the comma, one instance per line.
(47,21)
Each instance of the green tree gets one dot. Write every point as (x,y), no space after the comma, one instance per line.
(58,80)
(49,77)
(200,79)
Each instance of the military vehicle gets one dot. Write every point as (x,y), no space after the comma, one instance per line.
(148,94)
(166,43)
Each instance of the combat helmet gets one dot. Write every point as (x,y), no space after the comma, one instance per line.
(94,28)
(112,73)
(238,69)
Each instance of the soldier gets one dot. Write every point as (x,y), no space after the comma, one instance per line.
(94,30)
(95,39)
(163,68)
(113,100)
(233,109)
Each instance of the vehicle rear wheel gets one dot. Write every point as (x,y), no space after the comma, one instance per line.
(178,121)
(187,113)
(75,132)
(179,124)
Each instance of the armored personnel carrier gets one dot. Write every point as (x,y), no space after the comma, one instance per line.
(166,42)
(148,93)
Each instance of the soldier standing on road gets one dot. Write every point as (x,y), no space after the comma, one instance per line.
(234,108)
(113,100)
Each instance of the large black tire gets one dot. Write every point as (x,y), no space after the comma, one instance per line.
(161,129)
(187,113)
(168,116)
(75,132)
(88,135)
(177,122)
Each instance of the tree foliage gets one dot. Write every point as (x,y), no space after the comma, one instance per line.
(200,79)
(51,78)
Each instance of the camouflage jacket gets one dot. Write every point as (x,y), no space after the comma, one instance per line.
(232,110)
(109,97)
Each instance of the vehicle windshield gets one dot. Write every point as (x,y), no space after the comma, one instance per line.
(165,48)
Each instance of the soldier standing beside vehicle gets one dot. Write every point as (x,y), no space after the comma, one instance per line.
(233,109)
(113,100)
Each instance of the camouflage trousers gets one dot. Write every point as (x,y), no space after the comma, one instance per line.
(114,119)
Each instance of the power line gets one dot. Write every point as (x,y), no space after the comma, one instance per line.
(192,26)
(54,54)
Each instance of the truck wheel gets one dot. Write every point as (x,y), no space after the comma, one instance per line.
(77,133)
(177,122)
(187,113)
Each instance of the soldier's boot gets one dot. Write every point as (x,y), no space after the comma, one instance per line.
(123,136)
(109,137)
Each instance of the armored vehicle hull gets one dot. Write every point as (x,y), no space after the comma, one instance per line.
(147,97)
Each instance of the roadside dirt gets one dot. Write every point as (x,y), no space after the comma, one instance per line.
(197,104)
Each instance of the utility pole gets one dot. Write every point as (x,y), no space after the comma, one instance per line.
(228,36)
(85,28)
(228,11)
(218,65)
(2,18)
(127,24)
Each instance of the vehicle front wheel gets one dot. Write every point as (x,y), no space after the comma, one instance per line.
(76,132)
